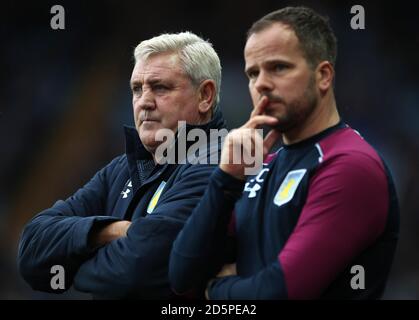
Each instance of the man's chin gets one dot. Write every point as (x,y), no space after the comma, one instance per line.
(149,142)
(284,126)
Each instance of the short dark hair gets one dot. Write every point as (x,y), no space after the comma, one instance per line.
(314,33)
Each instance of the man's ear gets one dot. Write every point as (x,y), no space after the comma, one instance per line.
(207,95)
(324,76)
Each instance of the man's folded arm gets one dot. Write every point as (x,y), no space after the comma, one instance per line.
(59,235)
(138,263)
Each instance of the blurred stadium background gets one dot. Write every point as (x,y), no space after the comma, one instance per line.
(64,97)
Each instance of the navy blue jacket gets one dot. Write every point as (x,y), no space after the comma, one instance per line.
(135,266)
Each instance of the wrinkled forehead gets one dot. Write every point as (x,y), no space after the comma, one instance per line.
(158,64)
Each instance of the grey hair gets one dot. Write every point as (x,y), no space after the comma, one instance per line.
(199,59)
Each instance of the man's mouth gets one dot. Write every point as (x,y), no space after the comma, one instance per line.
(147,120)
(145,117)
(272,106)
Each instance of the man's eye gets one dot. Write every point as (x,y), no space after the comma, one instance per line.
(160,87)
(280,67)
(137,89)
(252,74)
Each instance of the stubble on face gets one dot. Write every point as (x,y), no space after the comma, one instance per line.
(296,111)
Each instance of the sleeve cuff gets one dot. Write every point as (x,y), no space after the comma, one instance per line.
(83,229)
(227,182)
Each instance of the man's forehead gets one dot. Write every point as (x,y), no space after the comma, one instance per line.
(276,38)
(157,65)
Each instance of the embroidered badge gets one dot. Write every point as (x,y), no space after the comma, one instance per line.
(288,187)
(155,198)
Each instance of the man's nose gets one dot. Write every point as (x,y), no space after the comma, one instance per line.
(264,82)
(147,100)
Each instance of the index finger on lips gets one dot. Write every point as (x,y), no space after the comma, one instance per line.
(260,106)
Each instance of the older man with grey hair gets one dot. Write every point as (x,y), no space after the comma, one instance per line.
(113,236)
